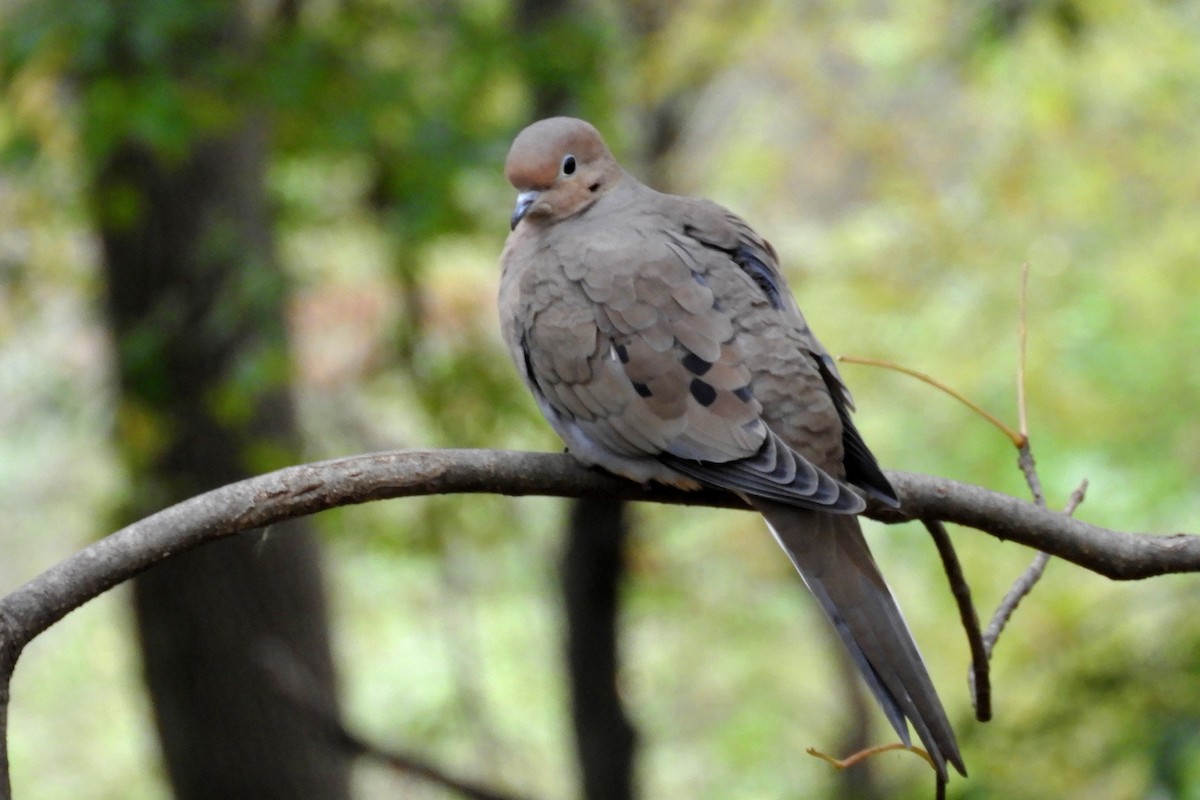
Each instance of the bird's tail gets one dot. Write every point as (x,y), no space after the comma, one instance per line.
(831,554)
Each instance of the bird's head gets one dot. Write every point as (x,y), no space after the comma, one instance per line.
(559,166)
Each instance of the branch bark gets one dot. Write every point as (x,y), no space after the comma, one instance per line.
(308,488)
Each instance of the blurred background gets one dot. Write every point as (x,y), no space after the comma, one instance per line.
(235,236)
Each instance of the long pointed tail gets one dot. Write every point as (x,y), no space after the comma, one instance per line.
(831,554)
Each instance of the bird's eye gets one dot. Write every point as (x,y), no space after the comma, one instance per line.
(568,165)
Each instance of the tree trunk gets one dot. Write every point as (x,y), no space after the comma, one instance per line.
(196,302)
(592,569)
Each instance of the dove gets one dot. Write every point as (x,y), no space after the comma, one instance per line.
(662,344)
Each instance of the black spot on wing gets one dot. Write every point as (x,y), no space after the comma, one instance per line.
(762,275)
(531,379)
(695,364)
(705,395)
(527,362)
(622,353)
(642,389)
(744,393)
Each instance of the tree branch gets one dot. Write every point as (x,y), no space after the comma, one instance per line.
(293,681)
(981,682)
(308,488)
(1114,554)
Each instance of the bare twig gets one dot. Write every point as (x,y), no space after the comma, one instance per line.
(862,755)
(981,687)
(1022,338)
(295,684)
(1025,583)
(416,767)
(1033,573)
(1077,497)
(1021,587)
(1012,435)
(854,758)
(1025,452)
(1029,470)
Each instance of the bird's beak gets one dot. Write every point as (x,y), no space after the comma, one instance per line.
(524,201)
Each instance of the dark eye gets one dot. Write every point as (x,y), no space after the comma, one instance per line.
(568,166)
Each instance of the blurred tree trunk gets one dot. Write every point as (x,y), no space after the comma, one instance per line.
(592,569)
(196,302)
(197,307)
(593,562)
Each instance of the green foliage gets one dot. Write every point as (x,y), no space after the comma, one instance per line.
(905,159)
(148,70)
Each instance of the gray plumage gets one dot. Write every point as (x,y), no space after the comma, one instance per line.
(662,343)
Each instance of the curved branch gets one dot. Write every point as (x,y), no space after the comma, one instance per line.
(308,488)
(1114,554)
(305,489)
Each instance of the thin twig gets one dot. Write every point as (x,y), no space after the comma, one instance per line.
(854,758)
(1012,435)
(1025,452)
(980,682)
(417,768)
(1021,587)
(1029,470)
(1028,579)
(1025,458)
(1028,466)
(1077,497)
(1022,336)
(294,683)
(1033,573)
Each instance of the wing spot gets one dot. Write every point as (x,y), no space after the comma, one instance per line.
(621,353)
(695,364)
(744,393)
(527,360)
(642,389)
(705,395)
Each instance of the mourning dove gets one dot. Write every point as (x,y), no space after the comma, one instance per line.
(662,343)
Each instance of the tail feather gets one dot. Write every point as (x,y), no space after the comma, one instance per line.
(831,554)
